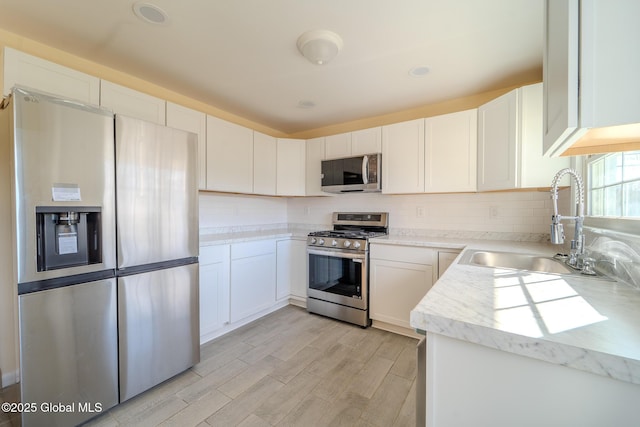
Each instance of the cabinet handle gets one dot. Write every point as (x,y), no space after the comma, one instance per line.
(365,169)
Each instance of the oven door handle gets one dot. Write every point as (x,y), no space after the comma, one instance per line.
(356,257)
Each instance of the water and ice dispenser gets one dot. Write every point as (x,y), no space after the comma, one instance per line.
(68,238)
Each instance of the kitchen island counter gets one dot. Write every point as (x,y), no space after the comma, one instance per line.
(588,324)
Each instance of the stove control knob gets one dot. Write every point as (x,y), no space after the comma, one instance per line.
(346,243)
(334,243)
(356,245)
(321,242)
(313,240)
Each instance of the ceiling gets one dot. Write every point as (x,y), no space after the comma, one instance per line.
(241,55)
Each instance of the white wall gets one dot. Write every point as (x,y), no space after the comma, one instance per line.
(219,210)
(512,212)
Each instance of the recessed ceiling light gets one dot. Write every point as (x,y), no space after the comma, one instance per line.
(306,104)
(150,13)
(419,71)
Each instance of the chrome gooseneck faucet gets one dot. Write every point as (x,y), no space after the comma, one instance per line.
(557,229)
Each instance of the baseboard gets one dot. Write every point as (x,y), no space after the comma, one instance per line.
(240,323)
(298,301)
(10,378)
(395,329)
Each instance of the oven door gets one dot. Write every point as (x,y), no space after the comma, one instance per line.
(338,277)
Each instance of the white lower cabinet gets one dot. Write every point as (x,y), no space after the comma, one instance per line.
(214,290)
(400,278)
(292,270)
(253,278)
(445,259)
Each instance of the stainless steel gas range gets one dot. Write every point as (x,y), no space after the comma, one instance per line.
(338,267)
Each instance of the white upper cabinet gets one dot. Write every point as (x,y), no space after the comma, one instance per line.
(313,172)
(264,164)
(497,133)
(590,72)
(451,152)
(291,161)
(366,141)
(534,169)
(357,143)
(510,142)
(132,103)
(403,157)
(184,118)
(337,146)
(229,156)
(33,72)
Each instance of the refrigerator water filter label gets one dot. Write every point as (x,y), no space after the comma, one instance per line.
(66,193)
(67,243)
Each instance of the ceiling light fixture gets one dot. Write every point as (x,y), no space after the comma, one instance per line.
(150,13)
(319,46)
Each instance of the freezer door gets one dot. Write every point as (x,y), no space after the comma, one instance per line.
(69,352)
(157,193)
(158,320)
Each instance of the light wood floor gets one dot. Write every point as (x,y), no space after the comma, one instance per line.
(289,368)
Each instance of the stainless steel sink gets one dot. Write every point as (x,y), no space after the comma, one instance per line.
(516,261)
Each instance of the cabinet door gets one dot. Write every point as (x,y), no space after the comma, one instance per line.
(366,141)
(253,285)
(184,118)
(292,269)
(396,288)
(291,161)
(214,289)
(445,259)
(535,170)
(313,172)
(403,157)
(560,72)
(451,152)
(229,156)
(132,103)
(298,268)
(284,255)
(264,164)
(30,71)
(337,146)
(497,143)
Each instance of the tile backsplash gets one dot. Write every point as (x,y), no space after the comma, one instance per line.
(516,215)
(512,213)
(518,212)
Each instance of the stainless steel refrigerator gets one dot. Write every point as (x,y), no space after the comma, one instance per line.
(157,253)
(62,190)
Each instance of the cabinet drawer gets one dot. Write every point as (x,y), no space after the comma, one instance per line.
(213,254)
(250,249)
(410,254)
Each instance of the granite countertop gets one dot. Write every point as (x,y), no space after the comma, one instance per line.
(583,323)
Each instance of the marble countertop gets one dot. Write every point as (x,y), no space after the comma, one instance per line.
(583,323)
(242,236)
(248,234)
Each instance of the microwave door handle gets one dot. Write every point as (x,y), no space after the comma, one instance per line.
(365,169)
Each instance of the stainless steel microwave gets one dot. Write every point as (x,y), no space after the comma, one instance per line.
(352,174)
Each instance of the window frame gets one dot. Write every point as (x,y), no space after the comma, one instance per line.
(623,224)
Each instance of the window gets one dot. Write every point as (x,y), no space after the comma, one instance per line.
(614,185)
